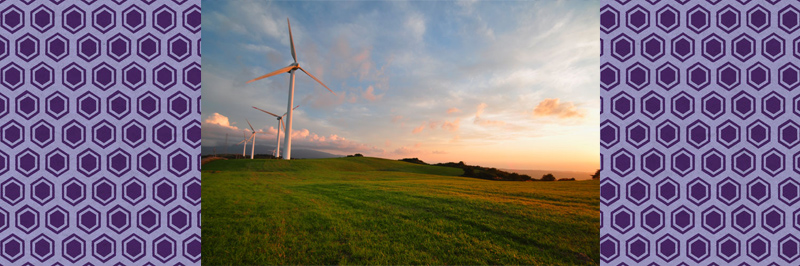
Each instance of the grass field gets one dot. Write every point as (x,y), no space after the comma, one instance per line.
(377,211)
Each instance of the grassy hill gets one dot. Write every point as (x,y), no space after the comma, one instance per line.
(364,210)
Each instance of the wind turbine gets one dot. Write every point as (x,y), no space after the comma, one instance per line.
(245,140)
(252,136)
(290,69)
(280,126)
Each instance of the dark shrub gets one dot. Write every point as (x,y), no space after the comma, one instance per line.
(469,172)
(414,160)
(486,175)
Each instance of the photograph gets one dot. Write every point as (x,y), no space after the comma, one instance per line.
(400,132)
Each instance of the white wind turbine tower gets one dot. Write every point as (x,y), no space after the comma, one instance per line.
(253,143)
(290,69)
(280,126)
(245,140)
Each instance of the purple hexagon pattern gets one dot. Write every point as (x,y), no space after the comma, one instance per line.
(74,190)
(717,182)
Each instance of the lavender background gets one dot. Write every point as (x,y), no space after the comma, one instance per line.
(99,132)
(699,132)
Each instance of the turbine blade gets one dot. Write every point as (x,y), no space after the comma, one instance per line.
(240,142)
(276,72)
(291,40)
(315,78)
(282,126)
(265,111)
(284,114)
(251,126)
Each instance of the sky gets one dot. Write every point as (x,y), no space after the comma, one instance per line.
(506,84)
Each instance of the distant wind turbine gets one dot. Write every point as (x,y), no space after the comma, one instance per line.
(253,143)
(280,126)
(290,69)
(245,140)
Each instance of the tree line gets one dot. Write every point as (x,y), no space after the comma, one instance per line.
(487,173)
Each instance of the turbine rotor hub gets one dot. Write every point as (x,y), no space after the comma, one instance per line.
(294,66)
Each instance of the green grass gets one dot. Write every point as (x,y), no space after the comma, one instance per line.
(377,211)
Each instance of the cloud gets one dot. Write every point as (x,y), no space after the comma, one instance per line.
(552,107)
(365,63)
(416,26)
(433,124)
(302,133)
(259,48)
(272,131)
(480,109)
(369,94)
(251,18)
(520,78)
(275,58)
(453,110)
(471,22)
(467,4)
(223,21)
(348,57)
(418,129)
(485,122)
(363,56)
(216,129)
(452,126)
(221,120)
